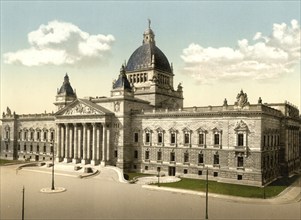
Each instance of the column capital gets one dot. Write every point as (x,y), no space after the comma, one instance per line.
(84,124)
(75,124)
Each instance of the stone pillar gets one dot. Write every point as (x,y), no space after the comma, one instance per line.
(104,145)
(62,142)
(88,143)
(108,145)
(84,159)
(67,143)
(71,142)
(76,144)
(58,141)
(80,142)
(98,143)
(94,138)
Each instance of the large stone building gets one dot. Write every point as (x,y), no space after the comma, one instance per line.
(143,125)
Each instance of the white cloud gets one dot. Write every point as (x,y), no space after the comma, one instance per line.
(268,56)
(59,43)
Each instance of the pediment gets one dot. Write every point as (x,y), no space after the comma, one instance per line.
(79,107)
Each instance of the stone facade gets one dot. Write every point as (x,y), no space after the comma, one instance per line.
(143,125)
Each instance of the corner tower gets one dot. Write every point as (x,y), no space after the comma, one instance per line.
(151,75)
(65,94)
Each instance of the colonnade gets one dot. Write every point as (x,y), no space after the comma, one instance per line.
(83,143)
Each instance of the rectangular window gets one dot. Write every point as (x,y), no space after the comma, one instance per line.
(136,137)
(216,159)
(38,148)
(172,138)
(146,167)
(51,149)
(6,147)
(215,174)
(24,147)
(239,177)
(240,161)
(160,138)
(44,149)
(38,135)
(45,135)
(147,138)
(186,157)
(186,138)
(201,158)
(116,153)
(201,138)
(20,135)
(264,140)
(185,171)
(147,155)
(30,148)
(172,156)
(7,134)
(136,154)
(25,135)
(216,139)
(200,172)
(19,147)
(240,140)
(52,136)
(159,155)
(31,135)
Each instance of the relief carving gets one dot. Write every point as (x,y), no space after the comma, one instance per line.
(80,109)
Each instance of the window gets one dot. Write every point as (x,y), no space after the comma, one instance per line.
(25,135)
(201,139)
(24,147)
(19,147)
(216,159)
(216,139)
(146,167)
(136,137)
(147,155)
(240,161)
(7,134)
(201,158)
(147,137)
(240,140)
(172,156)
(200,172)
(264,140)
(160,138)
(31,135)
(20,135)
(6,147)
(51,135)
(38,135)
(51,149)
(186,138)
(30,148)
(185,171)
(116,153)
(38,148)
(45,135)
(44,149)
(239,177)
(159,155)
(186,157)
(136,154)
(172,138)
(215,174)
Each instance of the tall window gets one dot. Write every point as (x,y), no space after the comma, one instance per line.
(24,147)
(201,158)
(186,157)
(45,135)
(136,137)
(51,135)
(216,159)
(240,140)
(147,137)
(31,135)
(186,138)
(201,138)
(44,149)
(25,135)
(172,138)
(147,155)
(7,134)
(240,161)
(216,139)
(136,154)
(160,138)
(38,148)
(20,135)
(159,155)
(38,135)
(172,156)
(30,148)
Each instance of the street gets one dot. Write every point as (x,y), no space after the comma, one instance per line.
(105,198)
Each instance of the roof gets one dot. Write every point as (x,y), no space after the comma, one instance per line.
(66,88)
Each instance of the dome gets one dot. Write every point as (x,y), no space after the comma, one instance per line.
(142,57)
(66,87)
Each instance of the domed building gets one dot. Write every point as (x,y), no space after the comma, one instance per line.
(143,126)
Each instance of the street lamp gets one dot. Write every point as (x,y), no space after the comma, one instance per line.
(52,148)
(158,169)
(206,217)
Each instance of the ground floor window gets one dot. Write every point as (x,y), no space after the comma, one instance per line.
(200,172)
(172,156)
(159,155)
(147,155)
(239,177)
(186,157)
(216,159)
(116,153)
(146,167)
(185,171)
(240,161)
(215,174)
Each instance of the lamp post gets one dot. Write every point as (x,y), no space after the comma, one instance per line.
(23,195)
(206,216)
(159,169)
(52,148)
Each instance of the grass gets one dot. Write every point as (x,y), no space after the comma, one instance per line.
(130,176)
(3,162)
(232,189)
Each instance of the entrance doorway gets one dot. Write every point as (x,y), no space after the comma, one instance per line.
(171,171)
(37,158)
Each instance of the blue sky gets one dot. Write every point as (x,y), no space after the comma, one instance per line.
(200,38)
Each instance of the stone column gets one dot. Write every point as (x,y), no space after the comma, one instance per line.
(84,159)
(104,144)
(97,143)
(108,144)
(62,142)
(67,143)
(94,162)
(71,150)
(88,143)
(75,141)
(58,141)
(80,143)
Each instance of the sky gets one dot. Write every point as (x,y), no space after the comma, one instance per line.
(217,48)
